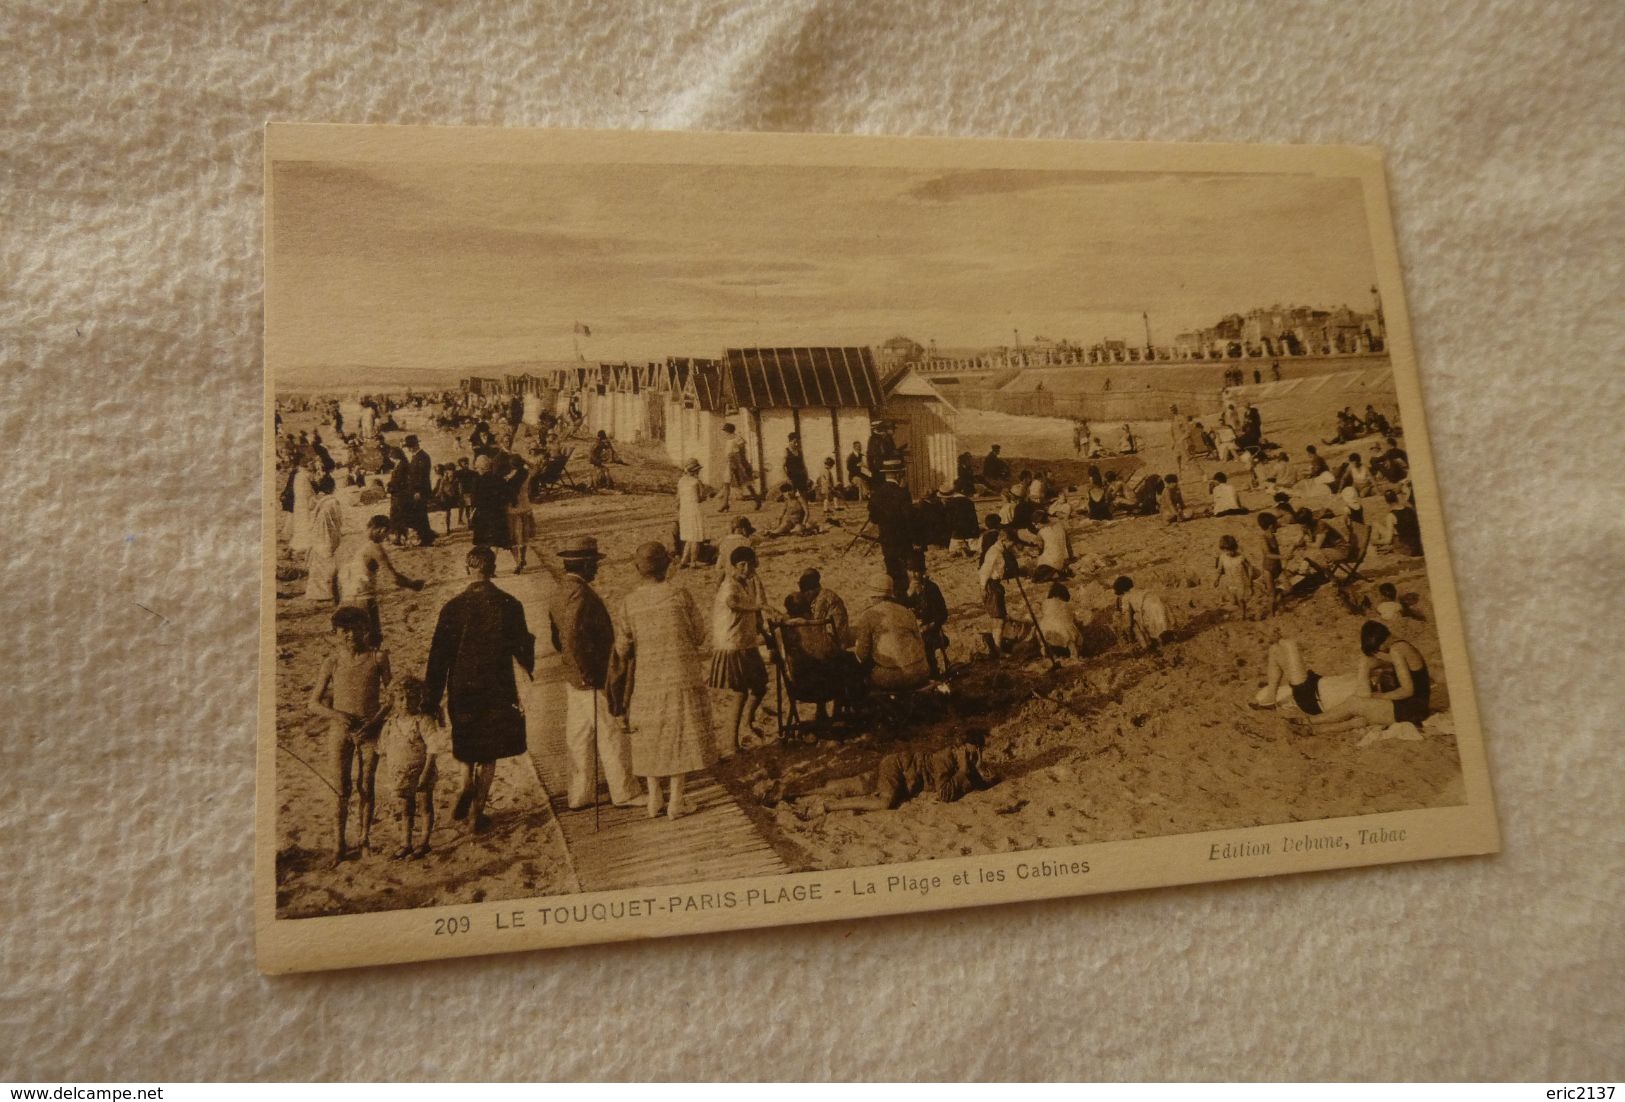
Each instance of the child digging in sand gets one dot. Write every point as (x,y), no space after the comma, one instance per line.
(1142,617)
(1171,500)
(1234,575)
(411,749)
(348,690)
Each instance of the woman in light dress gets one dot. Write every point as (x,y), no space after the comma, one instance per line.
(690,521)
(326,531)
(304,491)
(661,630)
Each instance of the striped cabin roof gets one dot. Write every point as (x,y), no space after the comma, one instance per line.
(706,376)
(801,378)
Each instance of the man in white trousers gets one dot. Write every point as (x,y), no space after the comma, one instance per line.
(584,636)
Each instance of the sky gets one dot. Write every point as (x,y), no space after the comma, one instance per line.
(462,265)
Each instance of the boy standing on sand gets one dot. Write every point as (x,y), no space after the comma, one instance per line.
(828,491)
(349,688)
(1272,563)
(998,563)
(359,576)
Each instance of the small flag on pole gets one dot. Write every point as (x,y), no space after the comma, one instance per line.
(584,330)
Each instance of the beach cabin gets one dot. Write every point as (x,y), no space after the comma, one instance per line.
(924,420)
(827,395)
(693,414)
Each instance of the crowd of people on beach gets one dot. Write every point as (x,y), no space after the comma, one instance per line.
(658,687)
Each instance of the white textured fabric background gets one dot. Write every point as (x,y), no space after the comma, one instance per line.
(130,320)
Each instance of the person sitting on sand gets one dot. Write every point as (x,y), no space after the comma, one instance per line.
(823,673)
(1055,543)
(948,774)
(349,687)
(1391,463)
(793,517)
(1284,663)
(412,749)
(1318,470)
(1225,501)
(1128,445)
(1407,529)
(599,457)
(1143,618)
(1171,501)
(887,641)
(1382,532)
(1406,703)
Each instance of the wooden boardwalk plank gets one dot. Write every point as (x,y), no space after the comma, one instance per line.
(715,841)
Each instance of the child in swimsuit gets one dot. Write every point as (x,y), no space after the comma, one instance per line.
(348,691)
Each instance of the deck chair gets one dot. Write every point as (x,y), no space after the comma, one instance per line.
(556,476)
(809,677)
(1345,572)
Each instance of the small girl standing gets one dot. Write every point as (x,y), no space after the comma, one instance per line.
(411,748)
(1234,575)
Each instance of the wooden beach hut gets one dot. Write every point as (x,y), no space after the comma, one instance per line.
(924,420)
(827,395)
(693,413)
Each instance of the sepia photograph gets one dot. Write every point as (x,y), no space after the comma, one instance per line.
(667,533)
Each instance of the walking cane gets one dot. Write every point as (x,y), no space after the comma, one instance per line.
(1043,644)
(777,658)
(595,761)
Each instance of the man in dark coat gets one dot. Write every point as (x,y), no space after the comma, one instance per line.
(891,511)
(584,636)
(930,521)
(795,466)
(420,487)
(995,471)
(481,633)
(400,496)
(882,448)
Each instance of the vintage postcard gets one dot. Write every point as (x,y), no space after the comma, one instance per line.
(669,533)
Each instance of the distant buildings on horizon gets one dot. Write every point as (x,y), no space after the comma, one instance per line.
(1265,331)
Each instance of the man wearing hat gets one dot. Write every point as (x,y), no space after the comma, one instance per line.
(882,448)
(891,511)
(480,634)
(584,636)
(420,488)
(888,642)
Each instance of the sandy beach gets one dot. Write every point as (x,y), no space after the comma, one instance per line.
(1117,744)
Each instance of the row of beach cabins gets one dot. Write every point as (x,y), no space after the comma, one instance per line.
(827,395)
